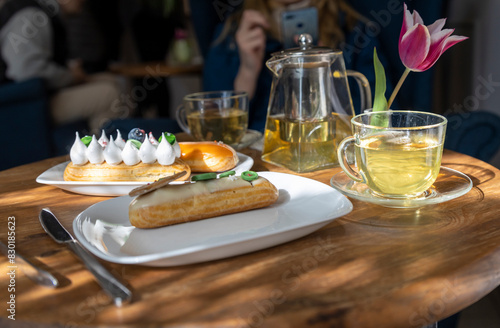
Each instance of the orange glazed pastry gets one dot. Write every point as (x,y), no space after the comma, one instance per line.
(208,156)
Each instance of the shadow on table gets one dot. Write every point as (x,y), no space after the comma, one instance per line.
(477,174)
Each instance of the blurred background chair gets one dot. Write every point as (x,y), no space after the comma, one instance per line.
(476,134)
(24,114)
(25,121)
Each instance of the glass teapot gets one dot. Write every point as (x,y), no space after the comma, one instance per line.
(310,107)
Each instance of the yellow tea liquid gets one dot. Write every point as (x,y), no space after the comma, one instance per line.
(304,146)
(227,125)
(397,166)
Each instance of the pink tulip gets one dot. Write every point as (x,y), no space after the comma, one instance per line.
(421,46)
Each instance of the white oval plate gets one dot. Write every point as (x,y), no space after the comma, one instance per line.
(304,205)
(55,177)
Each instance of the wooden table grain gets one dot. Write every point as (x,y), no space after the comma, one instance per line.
(375,267)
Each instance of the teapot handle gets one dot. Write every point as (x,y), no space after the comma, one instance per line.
(364,89)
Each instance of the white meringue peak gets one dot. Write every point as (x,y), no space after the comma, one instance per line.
(112,153)
(78,152)
(153,140)
(103,140)
(165,153)
(119,140)
(95,152)
(130,154)
(147,152)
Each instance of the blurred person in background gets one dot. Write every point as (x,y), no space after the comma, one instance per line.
(94,34)
(244,42)
(33,44)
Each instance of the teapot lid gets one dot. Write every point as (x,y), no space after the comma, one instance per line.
(305,48)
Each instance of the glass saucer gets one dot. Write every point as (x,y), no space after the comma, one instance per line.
(449,184)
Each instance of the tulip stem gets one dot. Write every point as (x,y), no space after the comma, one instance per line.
(398,86)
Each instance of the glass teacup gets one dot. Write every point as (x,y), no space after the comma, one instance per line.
(215,115)
(398,153)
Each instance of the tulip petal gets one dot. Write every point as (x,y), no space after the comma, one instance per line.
(437,39)
(436,26)
(453,40)
(435,49)
(407,22)
(414,46)
(439,47)
(417,19)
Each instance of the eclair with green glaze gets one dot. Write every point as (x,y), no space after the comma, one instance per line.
(174,204)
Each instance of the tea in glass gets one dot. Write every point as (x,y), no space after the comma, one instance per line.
(399,167)
(228,125)
(215,116)
(400,158)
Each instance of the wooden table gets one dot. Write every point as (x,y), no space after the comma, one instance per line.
(375,267)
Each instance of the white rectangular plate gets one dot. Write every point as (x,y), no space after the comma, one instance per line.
(55,177)
(304,205)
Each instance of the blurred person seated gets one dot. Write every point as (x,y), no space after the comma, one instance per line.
(33,44)
(244,42)
(94,34)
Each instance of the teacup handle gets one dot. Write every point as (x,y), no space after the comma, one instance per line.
(364,89)
(180,116)
(342,156)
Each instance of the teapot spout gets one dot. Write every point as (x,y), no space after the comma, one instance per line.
(274,65)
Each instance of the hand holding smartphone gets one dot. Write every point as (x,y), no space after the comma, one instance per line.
(297,22)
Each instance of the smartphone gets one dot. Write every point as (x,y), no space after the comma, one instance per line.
(297,22)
